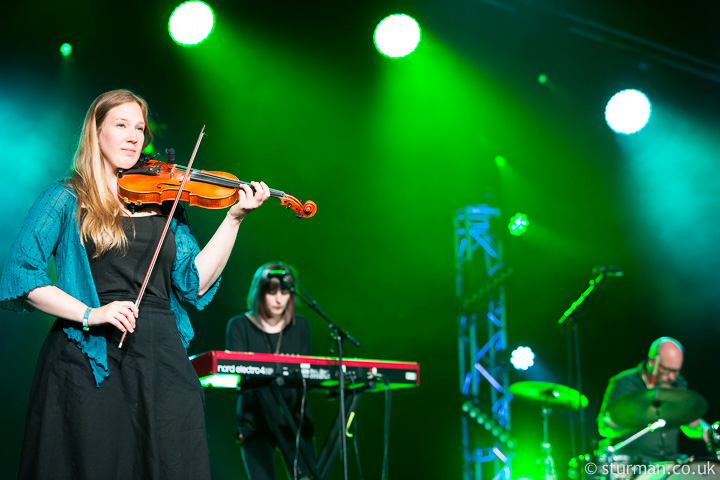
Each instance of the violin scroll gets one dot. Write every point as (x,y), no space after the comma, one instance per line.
(305,210)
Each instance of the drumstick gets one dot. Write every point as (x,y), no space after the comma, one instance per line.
(656,365)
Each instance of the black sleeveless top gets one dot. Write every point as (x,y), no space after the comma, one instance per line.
(119,277)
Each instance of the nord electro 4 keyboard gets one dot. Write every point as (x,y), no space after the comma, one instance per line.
(225,369)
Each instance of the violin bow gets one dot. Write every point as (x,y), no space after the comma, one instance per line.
(167,225)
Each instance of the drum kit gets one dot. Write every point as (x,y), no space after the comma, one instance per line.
(642,411)
(548,396)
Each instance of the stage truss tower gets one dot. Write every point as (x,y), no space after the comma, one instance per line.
(487,441)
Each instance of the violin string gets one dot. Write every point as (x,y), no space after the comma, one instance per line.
(199,175)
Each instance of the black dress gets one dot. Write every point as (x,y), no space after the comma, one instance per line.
(145,420)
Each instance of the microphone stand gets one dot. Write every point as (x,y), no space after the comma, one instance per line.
(571,313)
(338,334)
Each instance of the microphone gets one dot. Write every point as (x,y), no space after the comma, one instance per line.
(610,271)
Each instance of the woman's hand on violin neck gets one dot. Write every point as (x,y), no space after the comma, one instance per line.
(249,198)
(120,314)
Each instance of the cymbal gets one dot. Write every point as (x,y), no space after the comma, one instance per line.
(549,394)
(639,409)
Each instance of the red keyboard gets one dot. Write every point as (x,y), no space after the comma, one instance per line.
(225,369)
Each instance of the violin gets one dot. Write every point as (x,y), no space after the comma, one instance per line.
(156,182)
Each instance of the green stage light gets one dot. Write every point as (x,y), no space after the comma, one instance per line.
(518,224)
(500,161)
(65,49)
(522,358)
(397,36)
(542,78)
(220,380)
(628,111)
(191,23)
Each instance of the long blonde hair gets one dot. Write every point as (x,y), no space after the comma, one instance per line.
(102,218)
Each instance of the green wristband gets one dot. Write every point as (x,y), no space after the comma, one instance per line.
(86,317)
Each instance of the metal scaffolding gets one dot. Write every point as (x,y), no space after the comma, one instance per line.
(480,273)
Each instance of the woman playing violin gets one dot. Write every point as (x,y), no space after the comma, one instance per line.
(96,410)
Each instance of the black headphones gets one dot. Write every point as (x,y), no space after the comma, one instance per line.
(279,274)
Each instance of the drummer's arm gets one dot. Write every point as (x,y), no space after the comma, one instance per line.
(697,429)
(609,429)
(606,427)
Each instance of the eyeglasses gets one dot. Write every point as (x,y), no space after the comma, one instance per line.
(666,370)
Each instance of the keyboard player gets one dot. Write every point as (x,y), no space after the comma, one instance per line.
(271,326)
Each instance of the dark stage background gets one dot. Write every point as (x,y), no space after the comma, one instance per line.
(295,94)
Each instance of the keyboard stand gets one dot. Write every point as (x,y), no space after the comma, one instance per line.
(274,406)
(332,441)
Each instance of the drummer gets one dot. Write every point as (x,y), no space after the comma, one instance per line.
(661,369)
